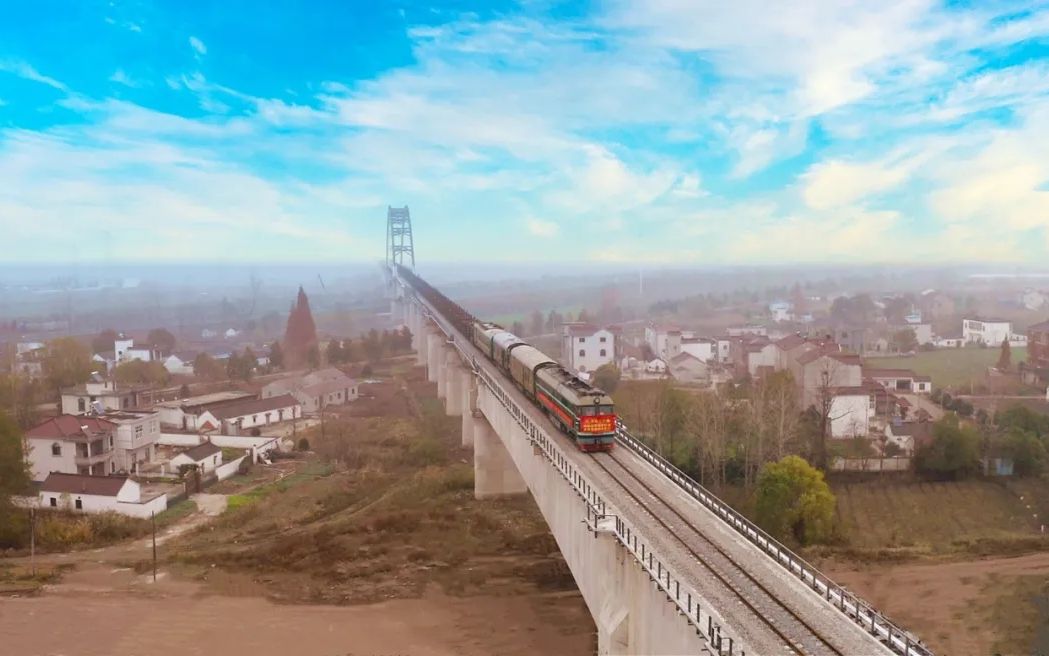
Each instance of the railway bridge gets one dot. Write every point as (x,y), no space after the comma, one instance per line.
(664,566)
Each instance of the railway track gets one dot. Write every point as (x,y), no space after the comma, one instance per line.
(796,634)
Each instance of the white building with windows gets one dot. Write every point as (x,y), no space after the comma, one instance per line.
(137,433)
(704,349)
(585,347)
(96,494)
(991,332)
(99,389)
(665,341)
(71,445)
(206,457)
(851,410)
(235,418)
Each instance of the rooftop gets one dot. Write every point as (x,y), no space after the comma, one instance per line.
(201,451)
(206,399)
(875,372)
(104,486)
(71,427)
(252,406)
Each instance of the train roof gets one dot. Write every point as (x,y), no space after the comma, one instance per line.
(505,339)
(584,392)
(530,356)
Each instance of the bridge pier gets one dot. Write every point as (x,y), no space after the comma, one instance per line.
(433,353)
(453,384)
(494,471)
(469,405)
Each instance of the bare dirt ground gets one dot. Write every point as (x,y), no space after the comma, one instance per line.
(988,606)
(111,611)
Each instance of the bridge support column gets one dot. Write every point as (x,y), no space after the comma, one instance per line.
(433,353)
(453,384)
(442,368)
(469,406)
(494,471)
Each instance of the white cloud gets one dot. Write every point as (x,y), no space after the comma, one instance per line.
(835,183)
(25,71)
(120,77)
(542,228)
(198,45)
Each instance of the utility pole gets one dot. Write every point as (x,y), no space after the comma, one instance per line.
(32,540)
(153,517)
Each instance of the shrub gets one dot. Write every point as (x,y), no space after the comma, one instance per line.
(304,444)
(793,501)
(953,451)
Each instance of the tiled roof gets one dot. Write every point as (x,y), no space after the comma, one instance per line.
(103,486)
(70,426)
(875,372)
(253,406)
(1043,326)
(790,342)
(201,451)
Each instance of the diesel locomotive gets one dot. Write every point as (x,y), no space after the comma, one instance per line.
(584,413)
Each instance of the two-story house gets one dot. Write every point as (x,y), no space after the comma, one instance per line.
(137,433)
(665,341)
(586,348)
(82,398)
(990,332)
(71,445)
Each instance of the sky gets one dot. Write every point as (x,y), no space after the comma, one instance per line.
(667,131)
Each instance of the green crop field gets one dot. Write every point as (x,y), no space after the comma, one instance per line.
(949,367)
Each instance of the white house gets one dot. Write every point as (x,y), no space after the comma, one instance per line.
(95,494)
(177,365)
(231,333)
(851,409)
(781,311)
(205,456)
(186,413)
(991,332)
(81,399)
(687,368)
(125,351)
(908,435)
(586,347)
(71,445)
(254,413)
(656,366)
(316,389)
(137,433)
(665,341)
(703,348)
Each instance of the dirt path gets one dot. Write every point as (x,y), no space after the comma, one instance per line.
(950,605)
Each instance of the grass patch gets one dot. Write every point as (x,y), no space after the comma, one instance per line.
(311,471)
(176,512)
(950,367)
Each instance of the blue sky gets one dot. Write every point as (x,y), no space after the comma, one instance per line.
(669,131)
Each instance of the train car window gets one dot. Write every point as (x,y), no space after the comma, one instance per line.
(607,409)
(587,411)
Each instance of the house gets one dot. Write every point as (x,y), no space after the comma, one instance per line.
(664,340)
(781,311)
(760,354)
(189,413)
(704,348)
(952,341)
(231,333)
(208,333)
(687,368)
(737,331)
(137,433)
(106,359)
(1038,345)
(254,413)
(315,390)
(179,364)
(95,494)
(126,351)
(899,380)
(824,369)
(81,399)
(922,331)
(655,366)
(586,347)
(724,349)
(990,332)
(851,410)
(909,435)
(71,445)
(205,456)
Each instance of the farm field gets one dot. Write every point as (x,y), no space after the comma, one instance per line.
(949,367)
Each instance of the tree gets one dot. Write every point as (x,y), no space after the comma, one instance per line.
(19,396)
(300,335)
(1023,418)
(161,338)
(276,355)
(103,341)
(206,367)
(606,377)
(537,323)
(517,328)
(953,452)
(584,316)
(184,392)
(66,363)
(313,357)
(372,345)
(793,501)
(138,372)
(1005,358)
(904,341)
(241,366)
(14,478)
(1027,451)
(554,320)
(334,353)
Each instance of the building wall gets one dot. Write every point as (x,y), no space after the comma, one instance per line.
(839,374)
(986,332)
(850,416)
(1038,348)
(259,418)
(704,350)
(135,440)
(207,465)
(78,404)
(585,353)
(766,357)
(42,463)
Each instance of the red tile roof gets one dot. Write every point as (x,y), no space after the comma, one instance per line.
(70,426)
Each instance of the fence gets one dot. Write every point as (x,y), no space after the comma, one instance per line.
(229,469)
(856,609)
(897,464)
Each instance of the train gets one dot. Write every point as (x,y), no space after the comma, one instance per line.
(583,412)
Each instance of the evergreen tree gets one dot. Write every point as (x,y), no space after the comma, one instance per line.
(300,336)
(1005,359)
(276,355)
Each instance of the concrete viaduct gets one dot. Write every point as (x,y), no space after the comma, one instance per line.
(663,565)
